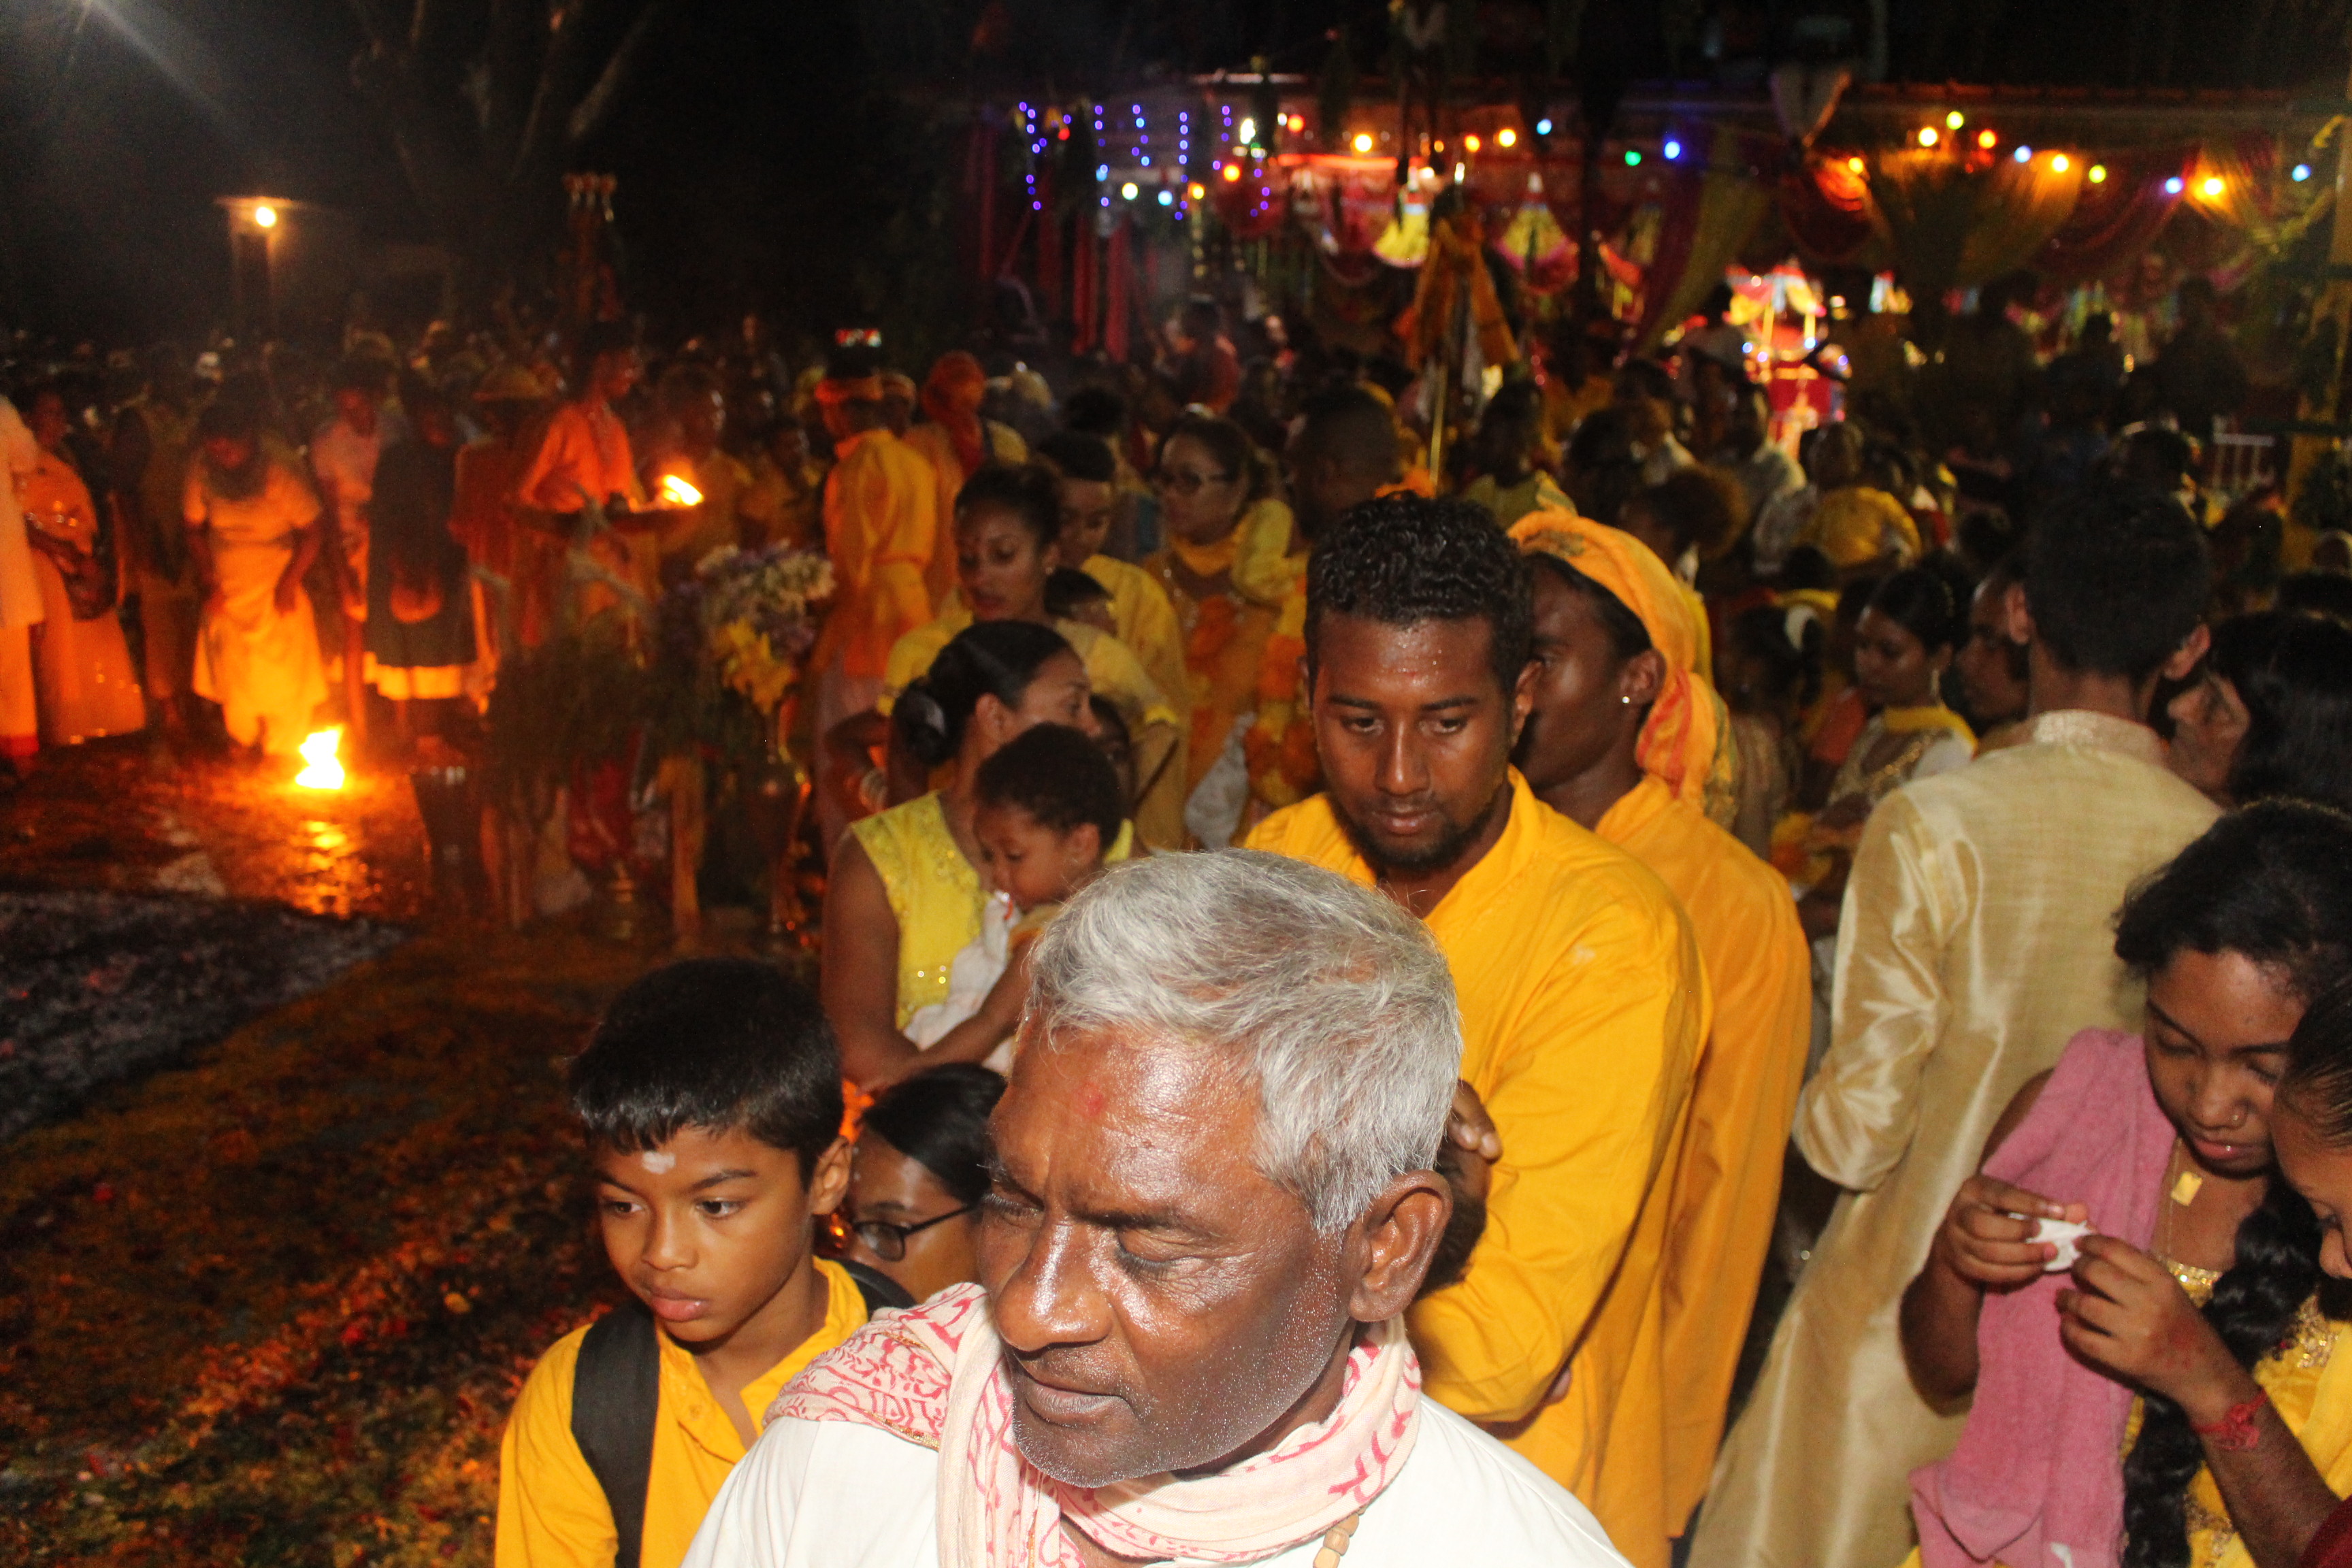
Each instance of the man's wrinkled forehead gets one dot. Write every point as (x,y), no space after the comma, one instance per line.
(1126,1115)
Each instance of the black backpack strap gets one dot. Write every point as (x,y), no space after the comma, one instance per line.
(878,1289)
(615,1393)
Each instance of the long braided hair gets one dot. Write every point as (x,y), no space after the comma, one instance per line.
(2271,882)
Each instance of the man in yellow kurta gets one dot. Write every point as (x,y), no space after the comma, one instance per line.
(1583,1001)
(1976,939)
(1613,744)
(881,524)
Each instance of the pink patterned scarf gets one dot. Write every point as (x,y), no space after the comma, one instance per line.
(934,1376)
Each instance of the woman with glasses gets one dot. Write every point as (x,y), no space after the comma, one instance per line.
(1227,568)
(917,1176)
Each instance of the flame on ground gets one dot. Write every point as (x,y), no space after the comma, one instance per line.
(677,493)
(319,752)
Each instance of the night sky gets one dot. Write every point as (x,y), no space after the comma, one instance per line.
(767,150)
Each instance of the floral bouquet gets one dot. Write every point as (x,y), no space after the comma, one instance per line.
(758,617)
(730,648)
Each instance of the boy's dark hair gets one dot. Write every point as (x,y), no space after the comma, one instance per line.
(1069,590)
(1058,776)
(2115,577)
(1077,455)
(939,1118)
(714,1043)
(1402,559)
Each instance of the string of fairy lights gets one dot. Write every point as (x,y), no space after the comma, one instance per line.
(1238,146)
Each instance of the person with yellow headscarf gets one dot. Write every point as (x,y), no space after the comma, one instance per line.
(1619,729)
(955,440)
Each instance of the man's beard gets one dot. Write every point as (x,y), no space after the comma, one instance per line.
(1434,856)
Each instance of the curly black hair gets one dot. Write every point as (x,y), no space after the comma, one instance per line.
(1402,560)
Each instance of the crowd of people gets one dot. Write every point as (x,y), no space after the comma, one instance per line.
(1420,914)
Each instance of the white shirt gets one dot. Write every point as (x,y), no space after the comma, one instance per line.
(833,1494)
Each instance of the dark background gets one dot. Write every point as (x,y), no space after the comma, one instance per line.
(800,155)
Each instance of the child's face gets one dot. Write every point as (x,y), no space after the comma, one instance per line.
(1030,862)
(709,1229)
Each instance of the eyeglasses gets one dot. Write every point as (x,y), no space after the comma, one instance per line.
(1185,484)
(885,1240)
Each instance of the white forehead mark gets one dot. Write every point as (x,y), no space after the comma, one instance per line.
(657,1160)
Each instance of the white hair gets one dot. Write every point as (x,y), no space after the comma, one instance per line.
(1334,999)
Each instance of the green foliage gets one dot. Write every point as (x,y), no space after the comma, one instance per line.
(580,697)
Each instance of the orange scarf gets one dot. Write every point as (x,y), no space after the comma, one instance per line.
(1686,743)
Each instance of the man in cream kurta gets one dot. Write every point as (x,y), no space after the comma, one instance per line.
(1975,940)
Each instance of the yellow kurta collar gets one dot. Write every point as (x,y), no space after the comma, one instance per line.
(687,1398)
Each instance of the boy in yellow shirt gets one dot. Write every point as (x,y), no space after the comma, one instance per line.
(711,1096)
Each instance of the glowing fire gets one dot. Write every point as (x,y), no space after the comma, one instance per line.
(323,771)
(677,493)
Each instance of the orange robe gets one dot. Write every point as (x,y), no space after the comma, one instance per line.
(1583,1007)
(81,670)
(881,523)
(1726,1181)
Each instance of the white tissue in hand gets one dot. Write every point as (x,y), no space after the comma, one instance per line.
(2063,1234)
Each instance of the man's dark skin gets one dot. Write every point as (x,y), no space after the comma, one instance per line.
(1415,733)
(1164,1304)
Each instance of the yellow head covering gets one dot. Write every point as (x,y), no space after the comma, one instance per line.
(1686,743)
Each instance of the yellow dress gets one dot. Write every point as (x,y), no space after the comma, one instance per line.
(1727,1182)
(1583,1007)
(552,1510)
(1146,621)
(934,893)
(1855,524)
(81,670)
(1537,493)
(1976,939)
(1225,634)
(261,665)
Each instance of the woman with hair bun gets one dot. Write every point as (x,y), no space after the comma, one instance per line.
(1008,519)
(2125,1276)
(906,894)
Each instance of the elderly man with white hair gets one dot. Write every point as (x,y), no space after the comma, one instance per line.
(1212,1200)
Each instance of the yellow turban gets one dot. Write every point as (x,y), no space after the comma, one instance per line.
(1686,743)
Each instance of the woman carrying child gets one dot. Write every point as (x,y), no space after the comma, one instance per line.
(906,895)
(1007,521)
(2186,1336)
